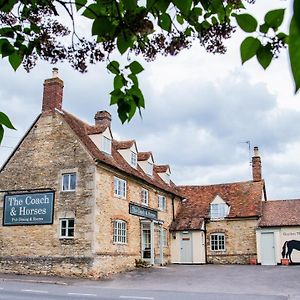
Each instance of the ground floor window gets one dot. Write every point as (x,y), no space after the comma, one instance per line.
(67,228)
(120,232)
(217,242)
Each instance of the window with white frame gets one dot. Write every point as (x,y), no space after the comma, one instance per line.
(164,237)
(218,210)
(120,232)
(119,187)
(149,169)
(68,182)
(144,194)
(217,242)
(66,228)
(162,205)
(106,144)
(133,159)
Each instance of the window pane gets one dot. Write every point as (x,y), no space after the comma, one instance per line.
(72,181)
(65,182)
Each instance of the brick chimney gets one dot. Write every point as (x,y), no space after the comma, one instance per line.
(53,92)
(103,118)
(256,165)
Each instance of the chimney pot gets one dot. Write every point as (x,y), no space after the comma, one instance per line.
(103,118)
(54,72)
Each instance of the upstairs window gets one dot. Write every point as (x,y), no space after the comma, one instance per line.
(133,159)
(120,232)
(218,211)
(149,169)
(144,194)
(217,242)
(68,182)
(162,205)
(67,228)
(119,187)
(106,144)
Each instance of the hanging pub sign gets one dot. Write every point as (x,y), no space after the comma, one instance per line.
(28,209)
(137,210)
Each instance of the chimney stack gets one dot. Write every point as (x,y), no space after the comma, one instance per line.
(256,165)
(53,93)
(103,118)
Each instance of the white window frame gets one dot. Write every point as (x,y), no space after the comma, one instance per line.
(164,237)
(217,242)
(106,144)
(69,230)
(119,232)
(133,159)
(218,210)
(144,197)
(68,188)
(162,203)
(120,187)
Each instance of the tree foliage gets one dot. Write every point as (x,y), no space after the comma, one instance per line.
(32,30)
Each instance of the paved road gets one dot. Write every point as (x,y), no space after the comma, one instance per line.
(208,282)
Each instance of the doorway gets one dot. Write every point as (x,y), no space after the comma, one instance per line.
(268,249)
(186,255)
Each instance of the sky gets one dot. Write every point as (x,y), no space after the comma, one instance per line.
(201,110)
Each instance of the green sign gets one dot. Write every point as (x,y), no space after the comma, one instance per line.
(141,211)
(28,209)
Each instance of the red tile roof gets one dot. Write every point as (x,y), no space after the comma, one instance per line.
(82,129)
(124,144)
(144,156)
(161,168)
(244,199)
(280,213)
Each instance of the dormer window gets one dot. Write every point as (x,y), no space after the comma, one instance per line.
(133,159)
(106,144)
(149,170)
(218,210)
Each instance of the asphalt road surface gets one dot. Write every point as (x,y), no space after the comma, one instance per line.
(208,282)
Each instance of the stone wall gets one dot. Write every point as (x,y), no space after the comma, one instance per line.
(240,241)
(49,150)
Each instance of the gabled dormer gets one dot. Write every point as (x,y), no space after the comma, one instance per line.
(146,162)
(101,134)
(219,209)
(164,172)
(128,150)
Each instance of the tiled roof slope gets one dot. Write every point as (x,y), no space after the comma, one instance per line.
(161,168)
(124,144)
(280,213)
(244,199)
(82,129)
(144,155)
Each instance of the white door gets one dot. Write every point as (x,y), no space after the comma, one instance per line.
(186,247)
(268,249)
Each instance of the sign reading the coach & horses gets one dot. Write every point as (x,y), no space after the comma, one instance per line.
(141,211)
(28,209)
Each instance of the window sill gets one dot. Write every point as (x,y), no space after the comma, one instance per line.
(67,191)
(119,197)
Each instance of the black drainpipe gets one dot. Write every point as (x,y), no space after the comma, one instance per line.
(205,241)
(173,208)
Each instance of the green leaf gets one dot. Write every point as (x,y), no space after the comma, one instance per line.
(162,5)
(165,22)
(135,67)
(80,3)
(113,67)
(246,22)
(274,18)
(134,79)
(264,55)
(249,47)
(296,15)
(6,48)
(264,28)
(183,5)
(91,12)
(130,4)
(116,96)
(294,52)
(4,120)
(102,26)
(180,19)
(1,133)
(15,60)
(124,41)
(119,82)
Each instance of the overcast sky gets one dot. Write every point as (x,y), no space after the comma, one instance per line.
(200,111)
